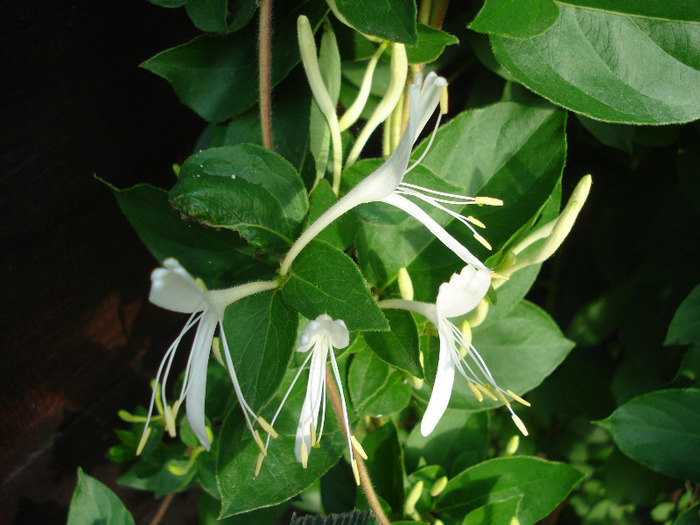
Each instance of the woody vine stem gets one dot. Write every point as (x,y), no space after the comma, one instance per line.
(265,67)
(365,480)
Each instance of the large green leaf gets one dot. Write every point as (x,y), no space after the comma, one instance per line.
(520,349)
(245,188)
(398,346)
(611,67)
(682,10)
(281,475)
(214,15)
(325,280)
(261,332)
(290,123)
(340,233)
(166,470)
(376,389)
(515,18)
(660,430)
(221,258)
(212,74)
(95,504)
(542,485)
(685,326)
(510,150)
(388,19)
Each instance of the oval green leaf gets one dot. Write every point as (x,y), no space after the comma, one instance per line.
(515,18)
(611,67)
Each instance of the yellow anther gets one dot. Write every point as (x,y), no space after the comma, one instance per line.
(438,486)
(356,445)
(488,201)
(210,434)
(476,222)
(267,427)
(476,392)
(521,426)
(518,398)
(438,522)
(169,421)
(502,398)
(312,431)
(413,498)
(304,455)
(416,382)
(499,276)
(176,169)
(356,472)
(444,100)
(481,240)
(201,284)
(405,285)
(142,442)
(258,464)
(512,445)
(514,521)
(259,443)
(486,391)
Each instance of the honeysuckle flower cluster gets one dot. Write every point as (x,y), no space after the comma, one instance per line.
(173,287)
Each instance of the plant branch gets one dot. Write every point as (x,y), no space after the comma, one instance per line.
(365,480)
(167,500)
(265,68)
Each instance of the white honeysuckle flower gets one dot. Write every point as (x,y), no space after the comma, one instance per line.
(173,288)
(456,298)
(321,337)
(386,183)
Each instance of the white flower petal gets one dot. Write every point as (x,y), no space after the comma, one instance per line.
(197,380)
(463,292)
(312,402)
(443,236)
(444,379)
(173,288)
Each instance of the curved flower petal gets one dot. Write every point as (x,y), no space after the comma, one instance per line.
(197,377)
(444,379)
(463,292)
(173,288)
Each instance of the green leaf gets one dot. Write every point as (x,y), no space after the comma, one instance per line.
(338,489)
(520,349)
(680,10)
(431,44)
(393,20)
(376,389)
(209,15)
(515,18)
(320,135)
(685,326)
(398,346)
(510,150)
(660,430)
(291,101)
(541,484)
(611,67)
(456,433)
(261,333)
(325,280)
(689,517)
(208,514)
(385,465)
(349,518)
(281,476)
(221,258)
(167,469)
(340,233)
(494,513)
(95,504)
(212,74)
(245,188)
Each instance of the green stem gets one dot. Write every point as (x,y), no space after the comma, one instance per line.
(265,68)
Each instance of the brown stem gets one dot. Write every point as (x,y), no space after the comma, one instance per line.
(365,480)
(167,500)
(438,15)
(265,68)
